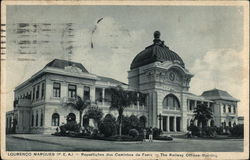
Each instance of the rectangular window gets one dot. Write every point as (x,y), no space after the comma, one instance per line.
(43,89)
(56,89)
(36,119)
(229,109)
(33,97)
(224,108)
(86,93)
(37,92)
(32,120)
(41,120)
(191,105)
(71,91)
(234,109)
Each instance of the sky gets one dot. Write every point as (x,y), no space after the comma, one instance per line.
(209,39)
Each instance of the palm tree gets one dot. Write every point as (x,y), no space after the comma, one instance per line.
(202,114)
(121,99)
(79,104)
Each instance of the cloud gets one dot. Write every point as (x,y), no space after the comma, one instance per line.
(221,69)
(114,49)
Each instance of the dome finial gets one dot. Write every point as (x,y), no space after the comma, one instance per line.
(157,34)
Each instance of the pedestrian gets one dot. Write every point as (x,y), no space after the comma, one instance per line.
(150,137)
(144,134)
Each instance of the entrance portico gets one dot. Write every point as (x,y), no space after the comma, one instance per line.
(171,123)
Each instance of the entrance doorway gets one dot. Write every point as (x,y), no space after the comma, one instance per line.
(164,123)
(171,120)
(71,117)
(178,124)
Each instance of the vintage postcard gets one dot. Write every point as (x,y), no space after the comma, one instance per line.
(147,80)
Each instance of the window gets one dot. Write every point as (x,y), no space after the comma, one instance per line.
(191,105)
(10,122)
(224,108)
(71,91)
(229,109)
(36,119)
(234,109)
(55,119)
(56,89)
(171,101)
(86,93)
(41,120)
(32,120)
(29,96)
(43,88)
(37,91)
(33,93)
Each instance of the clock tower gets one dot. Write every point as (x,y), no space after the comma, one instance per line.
(161,74)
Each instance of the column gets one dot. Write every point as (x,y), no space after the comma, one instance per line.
(162,123)
(64,89)
(174,126)
(79,90)
(188,122)
(168,124)
(196,123)
(209,122)
(181,124)
(188,102)
(137,103)
(195,104)
(92,93)
(103,96)
(40,90)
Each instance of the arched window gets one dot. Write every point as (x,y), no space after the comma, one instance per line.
(55,119)
(171,101)
(71,117)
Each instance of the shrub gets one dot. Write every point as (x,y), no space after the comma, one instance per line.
(95,113)
(108,126)
(156,132)
(70,126)
(129,123)
(95,132)
(195,130)
(165,138)
(134,133)
(125,125)
(237,131)
(134,122)
(209,131)
(219,130)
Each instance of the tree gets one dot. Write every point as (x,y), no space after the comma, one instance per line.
(79,104)
(108,126)
(202,114)
(95,113)
(121,99)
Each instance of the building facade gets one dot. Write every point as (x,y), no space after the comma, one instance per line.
(157,72)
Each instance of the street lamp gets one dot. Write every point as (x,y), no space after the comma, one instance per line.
(159,117)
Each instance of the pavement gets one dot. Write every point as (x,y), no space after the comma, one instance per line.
(41,142)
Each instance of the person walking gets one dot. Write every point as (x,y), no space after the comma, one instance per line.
(144,135)
(150,137)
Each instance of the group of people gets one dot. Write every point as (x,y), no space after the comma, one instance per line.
(150,136)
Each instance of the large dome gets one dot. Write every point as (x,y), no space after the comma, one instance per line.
(157,52)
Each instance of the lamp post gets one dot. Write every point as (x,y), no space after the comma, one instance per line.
(159,117)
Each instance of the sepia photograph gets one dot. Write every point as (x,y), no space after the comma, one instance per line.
(135,80)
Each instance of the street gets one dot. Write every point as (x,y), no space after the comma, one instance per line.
(36,142)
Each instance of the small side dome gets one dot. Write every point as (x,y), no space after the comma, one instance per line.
(157,52)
